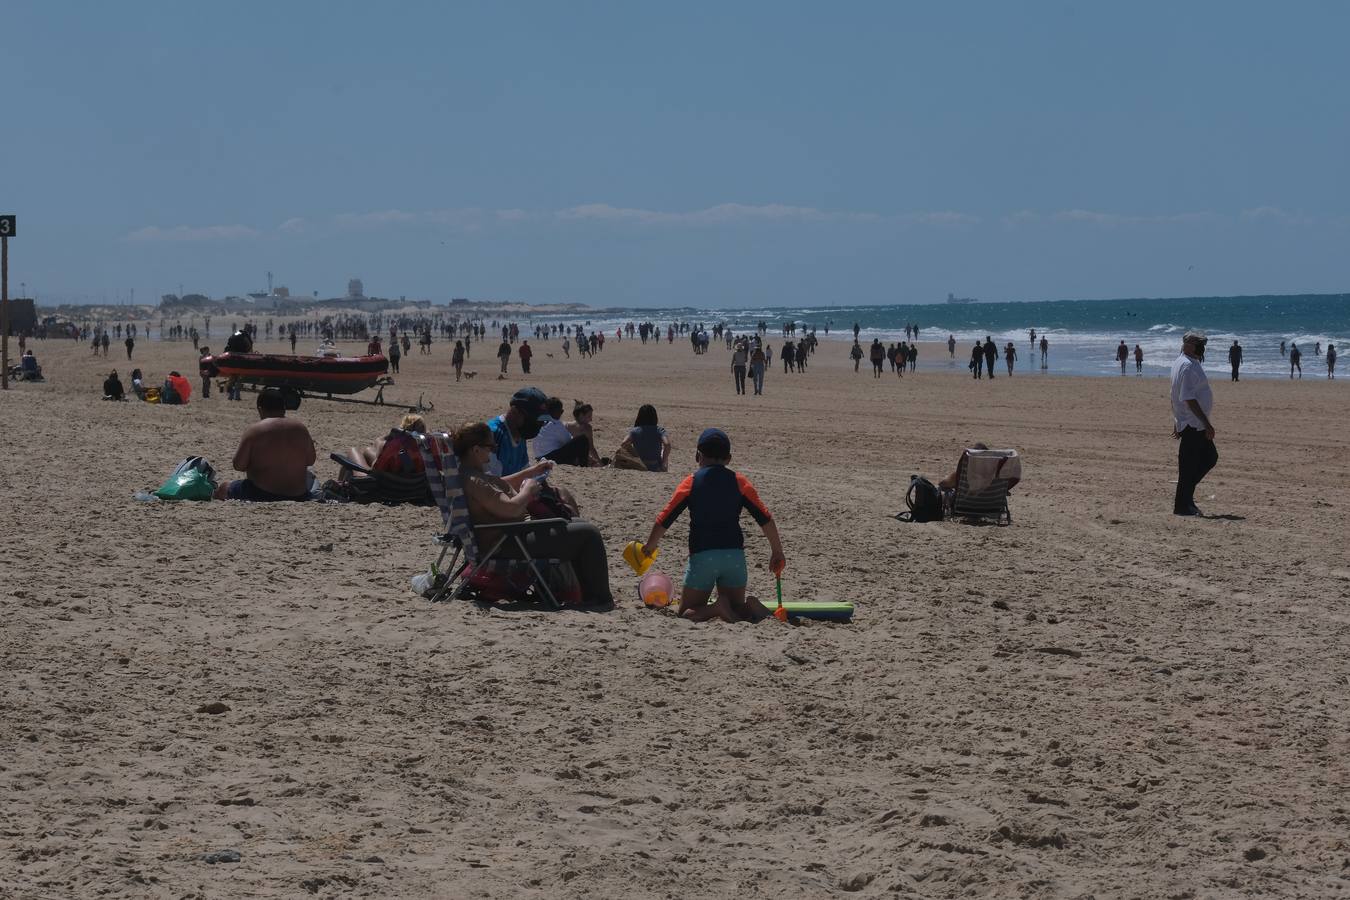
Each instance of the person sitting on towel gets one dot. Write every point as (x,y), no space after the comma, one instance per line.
(275,453)
(112,387)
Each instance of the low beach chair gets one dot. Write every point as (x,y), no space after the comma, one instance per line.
(497,574)
(984,478)
(392,479)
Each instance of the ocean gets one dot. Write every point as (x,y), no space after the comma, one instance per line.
(1082,334)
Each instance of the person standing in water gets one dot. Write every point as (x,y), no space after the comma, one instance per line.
(1010,356)
(1122,356)
(1235,358)
(1138,360)
(1045,353)
(1295,361)
(1331,360)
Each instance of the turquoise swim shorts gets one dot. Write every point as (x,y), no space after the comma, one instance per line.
(711,568)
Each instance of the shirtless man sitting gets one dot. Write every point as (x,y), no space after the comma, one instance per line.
(274,453)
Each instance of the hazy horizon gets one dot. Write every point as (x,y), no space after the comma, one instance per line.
(707,156)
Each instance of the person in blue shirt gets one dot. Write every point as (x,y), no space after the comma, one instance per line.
(513,428)
(715,496)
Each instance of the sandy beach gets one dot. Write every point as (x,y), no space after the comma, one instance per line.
(1101,700)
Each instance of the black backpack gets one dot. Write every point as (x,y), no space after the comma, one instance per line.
(924,501)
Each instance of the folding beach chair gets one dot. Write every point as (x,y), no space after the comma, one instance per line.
(984,478)
(492,575)
(396,477)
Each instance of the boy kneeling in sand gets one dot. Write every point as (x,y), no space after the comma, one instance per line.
(715,496)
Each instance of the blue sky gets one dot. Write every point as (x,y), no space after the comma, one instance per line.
(657,154)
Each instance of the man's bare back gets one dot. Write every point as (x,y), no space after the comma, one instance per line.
(275,454)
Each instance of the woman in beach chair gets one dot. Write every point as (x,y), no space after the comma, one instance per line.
(505,514)
(390,471)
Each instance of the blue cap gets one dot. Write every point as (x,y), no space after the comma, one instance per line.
(715,443)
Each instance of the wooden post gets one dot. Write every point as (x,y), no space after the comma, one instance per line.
(4,313)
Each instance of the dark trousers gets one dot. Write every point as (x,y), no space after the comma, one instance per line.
(576,452)
(581,544)
(1235,371)
(989,365)
(739,373)
(1196,455)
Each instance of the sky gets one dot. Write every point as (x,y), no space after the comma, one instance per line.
(703,154)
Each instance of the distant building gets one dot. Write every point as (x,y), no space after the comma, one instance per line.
(355,289)
(282,293)
(459,301)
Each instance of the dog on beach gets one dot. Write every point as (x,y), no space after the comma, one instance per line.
(469,375)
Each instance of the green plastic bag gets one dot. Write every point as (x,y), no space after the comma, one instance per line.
(194,479)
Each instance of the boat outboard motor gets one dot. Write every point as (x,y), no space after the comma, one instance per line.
(239,342)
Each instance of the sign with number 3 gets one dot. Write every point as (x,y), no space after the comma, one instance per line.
(8,226)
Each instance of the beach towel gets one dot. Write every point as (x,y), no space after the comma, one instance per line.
(985,466)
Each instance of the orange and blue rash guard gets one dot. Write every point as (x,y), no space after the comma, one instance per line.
(715,496)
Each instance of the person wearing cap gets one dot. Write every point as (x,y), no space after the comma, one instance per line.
(715,496)
(1192,400)
(513,428)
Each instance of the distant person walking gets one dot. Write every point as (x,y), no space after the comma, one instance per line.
(1010,357)
(951,346)
(1138,360)
(740,361)
(394,355)
(1235,358)
(1122,356)
(1045,353)
(990,354)
(1331,360)
(878,355)
(457,359)
(759,361)
(1295,361)
(1192,400)
(856,355)
(977,360)
(131,344)
(526,354)
(504,354)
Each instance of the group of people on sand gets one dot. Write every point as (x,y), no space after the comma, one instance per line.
(175,390)
(502,484)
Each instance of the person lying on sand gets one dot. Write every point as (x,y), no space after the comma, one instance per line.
(275,453)
(715,496)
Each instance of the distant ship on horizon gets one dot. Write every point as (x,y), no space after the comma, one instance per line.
(952,298)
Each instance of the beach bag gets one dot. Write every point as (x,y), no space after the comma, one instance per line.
(924,501)
(549,504)
(194,479)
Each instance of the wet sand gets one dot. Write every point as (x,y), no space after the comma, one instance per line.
(1100,700)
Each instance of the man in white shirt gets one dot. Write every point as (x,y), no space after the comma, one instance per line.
(1192,400)
(555,442)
